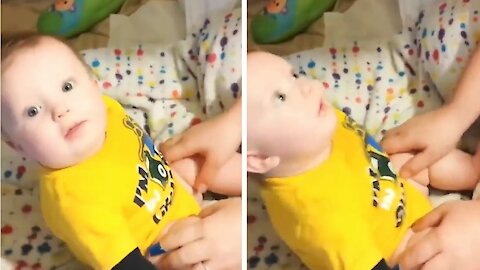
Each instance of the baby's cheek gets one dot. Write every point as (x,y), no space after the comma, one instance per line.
(46,150)
(42,144)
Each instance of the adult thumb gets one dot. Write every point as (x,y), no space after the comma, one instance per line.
(432,219)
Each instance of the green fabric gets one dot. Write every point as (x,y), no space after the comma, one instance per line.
(282,19)
(69,18)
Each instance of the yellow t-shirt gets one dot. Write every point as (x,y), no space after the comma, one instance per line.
(349,212)
(119,199)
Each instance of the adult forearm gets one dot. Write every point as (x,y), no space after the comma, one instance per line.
(233,119)
(235,112)
(466,99)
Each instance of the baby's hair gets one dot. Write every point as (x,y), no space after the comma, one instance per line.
(14,43)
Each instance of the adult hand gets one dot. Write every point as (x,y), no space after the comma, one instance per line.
(429,137)
(216,140)
(452,242)
(213,239)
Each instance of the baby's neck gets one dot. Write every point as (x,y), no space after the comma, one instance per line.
(297,166)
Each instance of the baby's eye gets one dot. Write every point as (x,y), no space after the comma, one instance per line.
(280,97)
(295,75)
(67,87)
(32,111)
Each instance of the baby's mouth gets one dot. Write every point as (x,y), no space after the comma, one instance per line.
(71,133)
(321,107)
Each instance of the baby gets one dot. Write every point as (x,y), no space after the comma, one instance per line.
(105,189)
(330,190)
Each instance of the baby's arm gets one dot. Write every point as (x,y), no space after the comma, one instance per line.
(227,181)
(98,233)
(455,171)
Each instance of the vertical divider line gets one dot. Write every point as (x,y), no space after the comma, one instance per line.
(244,134)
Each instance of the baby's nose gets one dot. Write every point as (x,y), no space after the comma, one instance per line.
(60,112)
(306,89)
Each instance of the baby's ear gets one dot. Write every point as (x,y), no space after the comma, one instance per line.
(14,146)
(10,143)
(259,163)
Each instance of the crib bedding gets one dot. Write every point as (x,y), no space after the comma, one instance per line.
(360,62)
(163,102)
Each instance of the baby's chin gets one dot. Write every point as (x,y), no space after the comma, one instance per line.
(73,154)
(60,161)
(57,164)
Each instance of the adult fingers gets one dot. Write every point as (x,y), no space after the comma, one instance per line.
(178,149)
(438,262)
(207,171)
(199,266)
(417,163)
(170,142)
(432,219)
(393,132)
(181,233)
(211,209)
(398,142)
(188,255)
(206,265)
(421,252)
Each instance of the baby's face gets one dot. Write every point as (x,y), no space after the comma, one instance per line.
(287,115)
(52,109)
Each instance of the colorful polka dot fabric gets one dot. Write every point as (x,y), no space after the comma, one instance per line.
(27,243)
(173,87)
(381,84)
(165,88)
